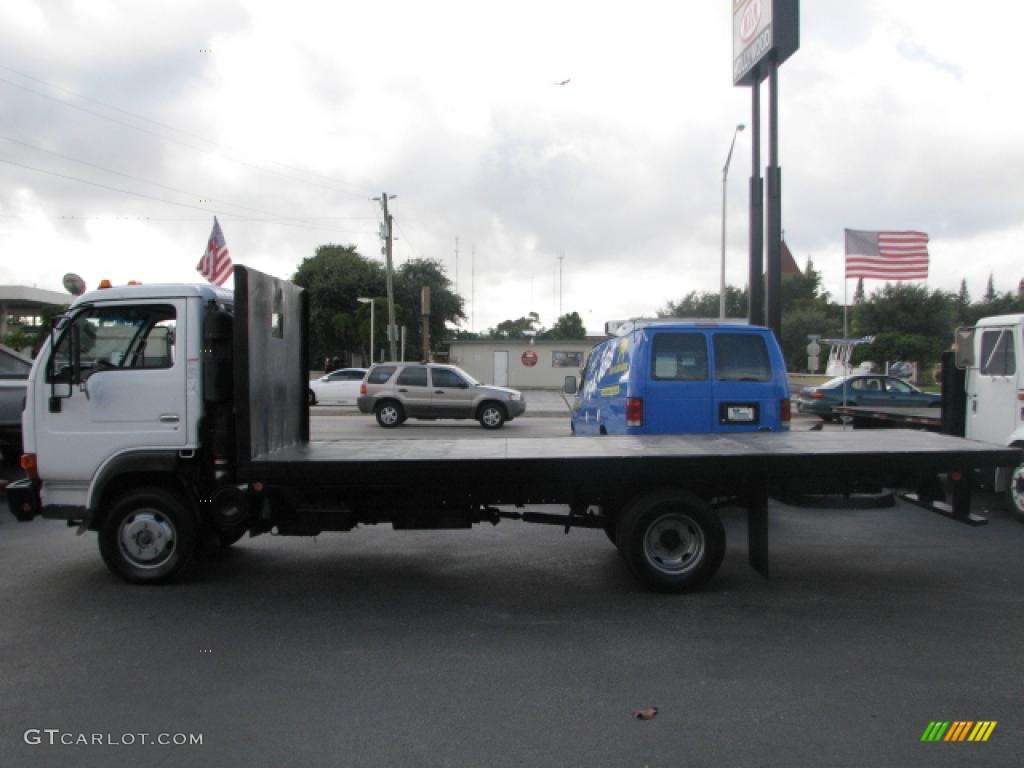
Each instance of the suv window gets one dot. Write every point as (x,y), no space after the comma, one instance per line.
(442,377)
(741,357)
(346,376)
(679,357)
(381,374)
(413,377)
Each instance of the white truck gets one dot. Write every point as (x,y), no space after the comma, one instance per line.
(982,398)
(174,418)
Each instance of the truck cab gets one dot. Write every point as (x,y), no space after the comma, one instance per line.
(994,384)
(118,383)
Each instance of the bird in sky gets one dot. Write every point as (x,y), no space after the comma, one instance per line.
(564,82)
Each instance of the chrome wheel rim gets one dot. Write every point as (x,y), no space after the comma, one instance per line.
(389,414)
(674,543)
(491,417)
(1017,489)
(147,538)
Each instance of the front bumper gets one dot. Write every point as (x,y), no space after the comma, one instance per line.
(515,407)
(23,500)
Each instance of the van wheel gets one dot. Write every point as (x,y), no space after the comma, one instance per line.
(671,540)
(149,536)
(389,414)
(491,416)
(1015,492)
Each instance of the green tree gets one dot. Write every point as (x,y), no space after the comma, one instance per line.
(445,305)
(520,328)
(990,290)
(334,277)
(908,323)
(568,326)
(858,295)
(705,304)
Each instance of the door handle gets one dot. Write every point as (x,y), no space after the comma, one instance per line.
(438,391)
(169,418)
(403,390)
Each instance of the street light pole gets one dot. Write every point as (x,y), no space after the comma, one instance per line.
(725,176)
(371,303)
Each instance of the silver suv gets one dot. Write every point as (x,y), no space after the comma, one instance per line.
(395,392)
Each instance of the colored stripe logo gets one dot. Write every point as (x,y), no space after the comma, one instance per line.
(958,730)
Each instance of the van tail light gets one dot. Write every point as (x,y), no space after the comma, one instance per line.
(634,412)
(28,463)
(362,388)
(816,395)
(785,411)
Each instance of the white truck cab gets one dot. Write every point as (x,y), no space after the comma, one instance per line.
(994,383)
(118,379)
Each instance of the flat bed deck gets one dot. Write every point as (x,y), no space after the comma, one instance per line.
(572,462)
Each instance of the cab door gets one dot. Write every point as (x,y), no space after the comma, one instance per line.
(992,388)
(114,382)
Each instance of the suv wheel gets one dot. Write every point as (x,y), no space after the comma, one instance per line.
(491,416)
(389,414)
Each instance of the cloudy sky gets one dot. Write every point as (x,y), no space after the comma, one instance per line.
(126,125)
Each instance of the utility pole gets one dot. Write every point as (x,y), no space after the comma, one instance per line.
(472,290)
(425,319)
(386,235)
(561,258)
(456,265)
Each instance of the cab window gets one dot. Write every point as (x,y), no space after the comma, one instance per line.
(997,357)
(116,338)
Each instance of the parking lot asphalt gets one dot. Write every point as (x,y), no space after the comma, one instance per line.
(517,645)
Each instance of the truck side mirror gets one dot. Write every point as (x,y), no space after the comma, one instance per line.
(964,346)
(569,385)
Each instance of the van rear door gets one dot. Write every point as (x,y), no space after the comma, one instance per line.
(748,387)
(678,386)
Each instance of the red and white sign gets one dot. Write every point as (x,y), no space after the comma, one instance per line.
(529,358)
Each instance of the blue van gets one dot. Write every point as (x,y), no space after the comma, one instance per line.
(674,376)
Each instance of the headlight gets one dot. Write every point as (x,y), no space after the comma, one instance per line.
(515,396)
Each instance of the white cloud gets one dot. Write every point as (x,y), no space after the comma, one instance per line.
(892,115)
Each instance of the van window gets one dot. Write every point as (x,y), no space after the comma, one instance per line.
(997,357)
(741,357)
(413,377)
(679,357)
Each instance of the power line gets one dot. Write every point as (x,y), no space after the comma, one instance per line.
(142,194)
(219,152)
(193,195)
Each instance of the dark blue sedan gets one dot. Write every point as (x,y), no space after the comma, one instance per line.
(863,390)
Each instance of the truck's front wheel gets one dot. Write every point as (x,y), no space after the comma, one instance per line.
(671,540)
(148,537)
(1015,492)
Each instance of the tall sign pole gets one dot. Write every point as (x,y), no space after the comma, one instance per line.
(765,34)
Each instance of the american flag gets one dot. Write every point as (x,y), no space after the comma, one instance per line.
(887,255)
(215,265)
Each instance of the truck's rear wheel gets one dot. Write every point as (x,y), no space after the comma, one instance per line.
(1015,492)
(148,537)
(671,540)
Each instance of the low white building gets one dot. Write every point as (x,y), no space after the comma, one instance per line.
(522,363)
